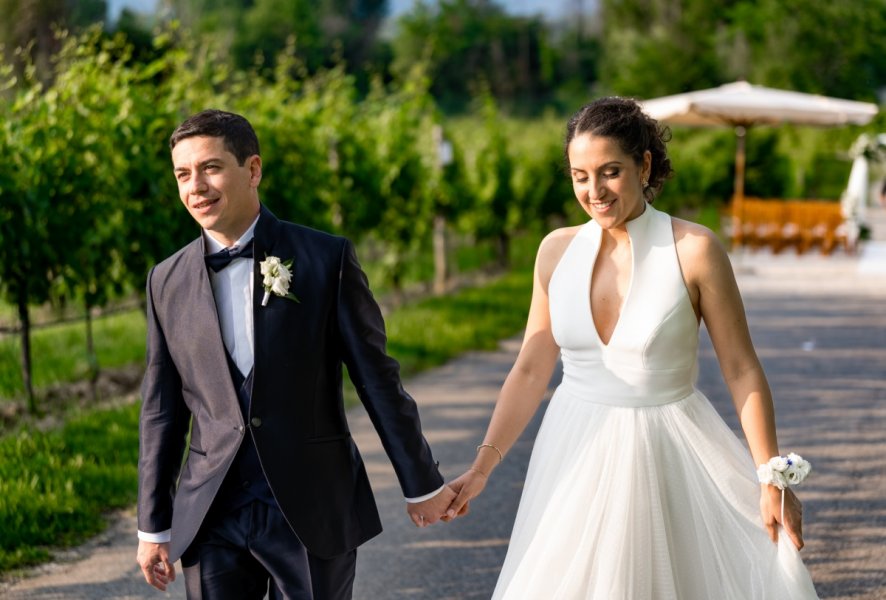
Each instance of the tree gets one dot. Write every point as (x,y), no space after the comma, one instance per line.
(354,24)
(658,47)
(541,184)
(27,28)
(402,123)
(83,13)
(451,197)
(268,24)
(90,101)
(817,46)
(471,43)
(136,28)
(72,226)
(26,32)
(495,172)
(256,32)
(183,78)
(290,118)
(28,258)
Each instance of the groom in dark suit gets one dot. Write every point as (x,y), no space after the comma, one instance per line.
(248,327)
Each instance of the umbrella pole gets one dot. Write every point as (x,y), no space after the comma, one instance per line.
(738,186)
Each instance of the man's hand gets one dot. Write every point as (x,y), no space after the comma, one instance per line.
(429,512)
(154,561)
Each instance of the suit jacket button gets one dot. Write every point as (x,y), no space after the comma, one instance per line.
(255,422)
(241,429)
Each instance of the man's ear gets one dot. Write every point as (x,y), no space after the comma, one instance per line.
(254,164)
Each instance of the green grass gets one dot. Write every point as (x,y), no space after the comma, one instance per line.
(58,353)
(434,330)
(55,486)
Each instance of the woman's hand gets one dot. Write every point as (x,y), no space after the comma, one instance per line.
(468,487)
(770,510)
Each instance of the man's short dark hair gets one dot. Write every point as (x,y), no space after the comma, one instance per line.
(238,135)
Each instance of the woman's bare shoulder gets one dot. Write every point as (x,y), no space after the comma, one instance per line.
(700,251)
(551,250)
(695,240)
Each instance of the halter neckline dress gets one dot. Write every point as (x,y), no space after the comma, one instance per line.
(637,489)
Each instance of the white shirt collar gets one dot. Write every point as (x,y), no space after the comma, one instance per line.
(212,245)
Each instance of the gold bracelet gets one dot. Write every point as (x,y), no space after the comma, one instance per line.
(487,476)
(500,456)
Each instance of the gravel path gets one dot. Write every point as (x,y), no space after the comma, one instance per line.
(819,325)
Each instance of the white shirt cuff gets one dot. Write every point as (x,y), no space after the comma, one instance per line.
(426,496)
(156,538)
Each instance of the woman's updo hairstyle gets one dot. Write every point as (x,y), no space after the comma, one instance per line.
(622,120)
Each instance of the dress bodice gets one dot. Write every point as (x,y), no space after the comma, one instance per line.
(651,355)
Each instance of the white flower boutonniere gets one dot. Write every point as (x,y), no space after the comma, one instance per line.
(277,275)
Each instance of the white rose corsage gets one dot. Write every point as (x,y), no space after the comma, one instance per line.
(277,275)
(784,471)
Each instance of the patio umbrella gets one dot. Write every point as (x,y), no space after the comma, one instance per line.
(741,105)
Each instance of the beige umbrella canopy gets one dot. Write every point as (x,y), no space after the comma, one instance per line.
(742,105)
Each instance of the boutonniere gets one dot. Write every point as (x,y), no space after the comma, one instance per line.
(277,275)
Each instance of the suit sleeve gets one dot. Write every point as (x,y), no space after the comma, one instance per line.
(376,376)
(163,428)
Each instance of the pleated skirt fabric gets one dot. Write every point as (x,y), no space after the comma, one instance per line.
(650,503)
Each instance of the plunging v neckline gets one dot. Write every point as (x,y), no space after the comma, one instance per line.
(624,303)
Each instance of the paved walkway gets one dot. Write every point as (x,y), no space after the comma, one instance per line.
(820,330)
(819,324)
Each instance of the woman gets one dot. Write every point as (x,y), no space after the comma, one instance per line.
(636,488)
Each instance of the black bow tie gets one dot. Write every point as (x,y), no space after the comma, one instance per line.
(223,258)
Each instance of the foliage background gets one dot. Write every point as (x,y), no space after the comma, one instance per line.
(354,112)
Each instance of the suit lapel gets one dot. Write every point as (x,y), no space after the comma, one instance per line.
(265,240)
(204,326)
(268,242)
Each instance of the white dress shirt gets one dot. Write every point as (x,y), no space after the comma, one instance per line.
(232,288)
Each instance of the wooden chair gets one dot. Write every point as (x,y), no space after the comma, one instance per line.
(802,224)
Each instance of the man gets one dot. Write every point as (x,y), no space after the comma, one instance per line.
(246,368)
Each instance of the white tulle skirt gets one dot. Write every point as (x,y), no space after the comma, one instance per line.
(651,503)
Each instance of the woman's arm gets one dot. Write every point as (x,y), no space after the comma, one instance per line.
(715,294)
(526,383)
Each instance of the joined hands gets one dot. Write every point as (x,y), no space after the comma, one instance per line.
(452,502)
(431,510)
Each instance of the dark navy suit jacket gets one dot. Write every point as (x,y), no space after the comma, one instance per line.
(297,417)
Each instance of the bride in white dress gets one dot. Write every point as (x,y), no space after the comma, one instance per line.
(637,489)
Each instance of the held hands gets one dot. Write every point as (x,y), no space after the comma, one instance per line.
(451,503)
(468,487)
(458,493)
(770,510)
(431,510)
(154,561)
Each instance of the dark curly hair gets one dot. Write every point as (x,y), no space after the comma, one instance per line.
(622,120)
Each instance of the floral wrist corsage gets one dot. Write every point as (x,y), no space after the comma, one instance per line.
(784,471)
